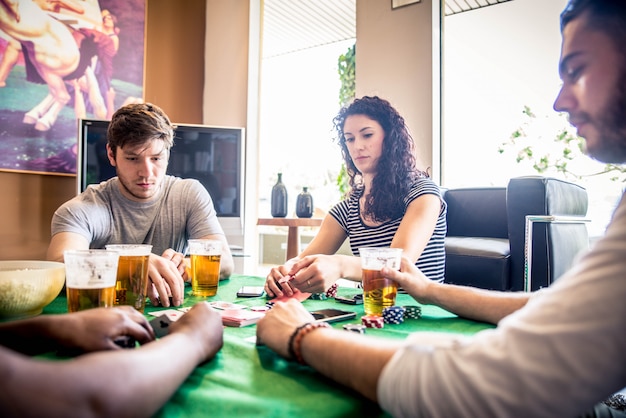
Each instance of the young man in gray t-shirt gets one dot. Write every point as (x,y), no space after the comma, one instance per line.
(142,205)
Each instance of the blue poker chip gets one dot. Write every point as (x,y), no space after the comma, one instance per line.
(393,315)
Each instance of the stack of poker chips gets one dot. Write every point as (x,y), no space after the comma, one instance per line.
(372,321)
(332,291)
(393,315)
(412,312)
(358,328)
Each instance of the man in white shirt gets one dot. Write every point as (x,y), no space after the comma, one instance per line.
(556,352)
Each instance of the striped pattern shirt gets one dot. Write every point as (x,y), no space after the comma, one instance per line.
(432,260)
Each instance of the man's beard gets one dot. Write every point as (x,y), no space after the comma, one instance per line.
(611,126)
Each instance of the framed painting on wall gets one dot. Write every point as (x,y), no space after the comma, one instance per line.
(61,61)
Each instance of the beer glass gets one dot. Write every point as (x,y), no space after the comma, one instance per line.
(205,266)
(90,278)
(131,286)
(378,292)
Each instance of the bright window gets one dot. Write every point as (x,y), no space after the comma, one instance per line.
(497,60)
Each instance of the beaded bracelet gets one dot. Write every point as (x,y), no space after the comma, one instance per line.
(295,341)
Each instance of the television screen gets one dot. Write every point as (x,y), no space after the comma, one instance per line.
(212,155)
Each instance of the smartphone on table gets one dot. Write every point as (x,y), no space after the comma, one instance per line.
(250,291)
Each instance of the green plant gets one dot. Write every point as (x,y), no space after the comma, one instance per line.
(346,67)
(557,155)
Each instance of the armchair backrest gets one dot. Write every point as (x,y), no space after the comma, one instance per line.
(486,235)
(554,245)
(477,212)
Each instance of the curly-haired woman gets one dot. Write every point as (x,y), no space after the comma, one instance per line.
(391,204)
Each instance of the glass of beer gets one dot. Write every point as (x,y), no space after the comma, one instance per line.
(131,286)
(205,266)
(378,292)
(90,278)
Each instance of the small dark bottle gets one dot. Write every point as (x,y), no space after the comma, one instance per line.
(304,204)
(279,198)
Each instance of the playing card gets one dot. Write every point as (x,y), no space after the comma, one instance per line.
(161,325)
(226,305)
(172,314)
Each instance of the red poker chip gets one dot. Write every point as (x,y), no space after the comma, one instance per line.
(371,321)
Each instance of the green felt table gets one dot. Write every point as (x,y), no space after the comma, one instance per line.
(247,380)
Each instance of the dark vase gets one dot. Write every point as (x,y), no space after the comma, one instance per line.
(279,198)
(304,204)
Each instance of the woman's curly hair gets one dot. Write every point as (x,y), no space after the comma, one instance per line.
(397,169)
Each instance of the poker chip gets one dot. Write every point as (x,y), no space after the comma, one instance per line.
(319,296)
(371,321)
(269,305)
(259,308)
(393,315)
(358,328)
(412,312)
(332,291)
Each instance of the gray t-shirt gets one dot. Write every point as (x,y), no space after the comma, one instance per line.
(182,210)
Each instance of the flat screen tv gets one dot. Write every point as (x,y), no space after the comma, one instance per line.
(211,154)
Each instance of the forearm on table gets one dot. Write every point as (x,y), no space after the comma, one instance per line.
(474,303)
(348,358)
(139,381)
(31,336)
(123,383)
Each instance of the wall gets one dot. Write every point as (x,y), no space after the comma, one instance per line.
(174,73)
(174,78)
(394,57)
(394,60)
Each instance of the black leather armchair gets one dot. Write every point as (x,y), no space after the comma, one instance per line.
(486,238)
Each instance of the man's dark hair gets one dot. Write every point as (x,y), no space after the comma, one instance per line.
(137,124)
(608,16)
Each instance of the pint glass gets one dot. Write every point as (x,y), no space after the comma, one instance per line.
(205,266)
(90,278)
(378,292)
(132,274)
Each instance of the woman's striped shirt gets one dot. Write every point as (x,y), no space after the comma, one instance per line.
(432,260)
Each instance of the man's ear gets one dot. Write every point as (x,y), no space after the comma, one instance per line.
(111,155)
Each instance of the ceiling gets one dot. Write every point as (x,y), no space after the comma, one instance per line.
(294,25)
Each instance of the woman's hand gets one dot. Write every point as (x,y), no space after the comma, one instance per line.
(315,273)
(277,281)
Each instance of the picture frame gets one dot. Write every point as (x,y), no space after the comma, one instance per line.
(104,43)
(401,3)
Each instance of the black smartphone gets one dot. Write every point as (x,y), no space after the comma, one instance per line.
(250,291)
(351,300)
(332,315)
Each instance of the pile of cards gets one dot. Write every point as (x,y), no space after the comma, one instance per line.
(233,315)
(240,317)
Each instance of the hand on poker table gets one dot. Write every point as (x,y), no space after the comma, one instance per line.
(279,323)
